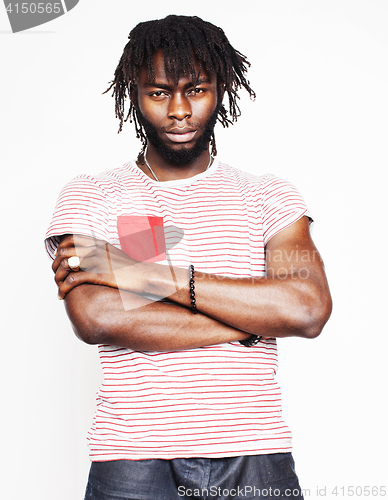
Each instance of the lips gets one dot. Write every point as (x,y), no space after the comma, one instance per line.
(181,134)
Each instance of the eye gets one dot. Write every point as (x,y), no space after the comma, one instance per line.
(197,91)
(158,94)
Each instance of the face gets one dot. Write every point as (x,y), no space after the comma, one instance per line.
(178,119)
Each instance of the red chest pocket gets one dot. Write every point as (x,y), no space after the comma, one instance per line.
(142,237)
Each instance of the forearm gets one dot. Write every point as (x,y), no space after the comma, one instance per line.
(103,315)
(270,306)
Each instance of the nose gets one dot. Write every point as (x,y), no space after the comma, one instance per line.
(179,107)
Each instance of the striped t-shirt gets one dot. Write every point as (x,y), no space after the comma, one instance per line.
(215,401)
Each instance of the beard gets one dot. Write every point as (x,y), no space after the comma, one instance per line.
(181,156)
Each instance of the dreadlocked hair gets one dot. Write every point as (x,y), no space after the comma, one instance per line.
(181,38)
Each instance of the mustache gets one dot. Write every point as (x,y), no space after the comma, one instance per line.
(187,125)
(208,126)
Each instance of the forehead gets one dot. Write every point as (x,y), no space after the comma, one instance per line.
(164,70)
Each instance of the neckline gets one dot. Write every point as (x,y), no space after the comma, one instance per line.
(179,182)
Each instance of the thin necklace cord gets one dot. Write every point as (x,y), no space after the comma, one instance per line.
(153,173)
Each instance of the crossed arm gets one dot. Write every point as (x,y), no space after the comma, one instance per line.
(105,301)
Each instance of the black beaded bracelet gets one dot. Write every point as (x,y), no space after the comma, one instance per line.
(253,340)
(192,289)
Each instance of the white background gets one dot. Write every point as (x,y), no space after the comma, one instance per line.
(319,68)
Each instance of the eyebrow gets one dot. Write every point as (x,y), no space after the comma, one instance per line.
(165,86)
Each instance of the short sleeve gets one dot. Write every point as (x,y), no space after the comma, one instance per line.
(282,205)
(81,208)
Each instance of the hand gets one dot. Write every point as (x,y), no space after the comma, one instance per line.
(100,264)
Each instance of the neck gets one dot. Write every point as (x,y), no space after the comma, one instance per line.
(159,169)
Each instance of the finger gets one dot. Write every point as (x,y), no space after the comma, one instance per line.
(70,282)
(75,245)
(63,267)
(65,253)
(74,240)
(62,271)
(66,239)
(75,279)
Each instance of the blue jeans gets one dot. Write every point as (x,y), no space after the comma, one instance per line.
(257,477)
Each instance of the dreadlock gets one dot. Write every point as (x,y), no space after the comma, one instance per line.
(180,37)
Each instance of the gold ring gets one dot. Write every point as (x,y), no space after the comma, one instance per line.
(73,263)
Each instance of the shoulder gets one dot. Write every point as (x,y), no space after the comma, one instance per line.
(108,178)
(231,171)
(263,183)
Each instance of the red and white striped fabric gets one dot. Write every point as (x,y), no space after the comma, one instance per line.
(214,401)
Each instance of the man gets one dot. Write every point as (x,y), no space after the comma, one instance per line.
(185,271)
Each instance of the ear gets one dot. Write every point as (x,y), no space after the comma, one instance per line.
(221,91)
